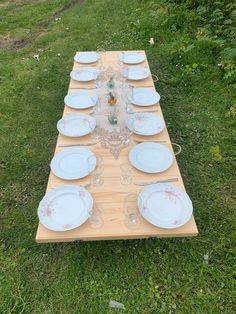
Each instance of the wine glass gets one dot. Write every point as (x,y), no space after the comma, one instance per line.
(122,69)
(97,106)
(99,80)
(120,61)
(96,165)
(95,218)
(102,59)
(126,174)
(132,216)
(127,92)
(95,134)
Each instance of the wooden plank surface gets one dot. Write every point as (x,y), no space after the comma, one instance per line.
(111,194)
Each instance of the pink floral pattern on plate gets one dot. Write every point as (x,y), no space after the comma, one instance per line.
(171,196)
(81,194)
(176,222)
(67,226)
(47,210)
(140,117)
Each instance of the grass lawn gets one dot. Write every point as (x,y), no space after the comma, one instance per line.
(189,275)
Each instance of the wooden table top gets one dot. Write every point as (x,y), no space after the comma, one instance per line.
(111,194)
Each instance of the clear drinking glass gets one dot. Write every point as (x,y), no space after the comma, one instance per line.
(132,216)
(127,91)
(95,134)
(120,61)
(126,174)
(98,170)
(102,59)
(99,80)
(95,218)
(122,68)
(97,106)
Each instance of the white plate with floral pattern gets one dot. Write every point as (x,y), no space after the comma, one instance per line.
(144,97)
(144,123)
(65,208)
(84,74)
(72,163)
(164,205)
(151,157)
(76,125)
(136,73)
(132,57)
(86,57)
(82,99)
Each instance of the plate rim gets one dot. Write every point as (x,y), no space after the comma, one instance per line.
(133,150)
(68,96)
(91,69)
(66,151)
(147,90)
(134,53)
(186,199)
(148,73)
(84,52)
(70,116)
(151,115)
(48,195)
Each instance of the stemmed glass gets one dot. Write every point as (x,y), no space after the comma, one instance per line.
(97,106)
(95,218)
(95,134)
(97,171)
(102,59)
(122,69)
(132,216)
(101,67)
(127,91)
(126,174)
(99,80)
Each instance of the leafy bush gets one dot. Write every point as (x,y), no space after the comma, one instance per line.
(215,22)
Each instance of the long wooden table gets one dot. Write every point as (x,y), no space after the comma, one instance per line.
(111,194)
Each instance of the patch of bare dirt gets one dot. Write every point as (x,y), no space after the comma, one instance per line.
(4,4)
(68,6)
(19,2)
(59,13)
(8,42)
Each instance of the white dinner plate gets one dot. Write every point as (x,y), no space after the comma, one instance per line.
(81,100)
(145,123)
(144,97)
(136,73)
(65,208)
(72,163)
(151,157)
(76,125)
(86,57)
(165,206)
(132,57)
(84,74)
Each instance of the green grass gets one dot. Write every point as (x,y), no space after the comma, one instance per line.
(148,276)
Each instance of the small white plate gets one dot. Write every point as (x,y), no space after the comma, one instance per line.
(165,206)
(86,57)
(84,74)
(81,100)
(151,157)
(132,57)
(65,208)
(72,163)
(76,125)
(136,73)
(145,123)
(144,97)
